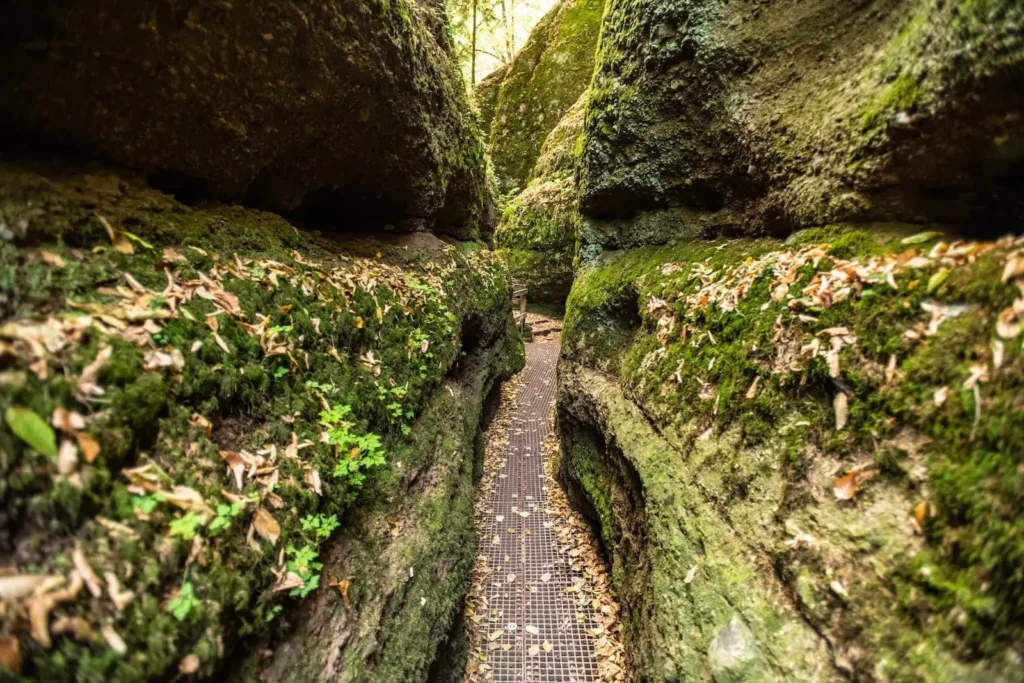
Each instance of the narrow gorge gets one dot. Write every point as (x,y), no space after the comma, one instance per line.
(265,411)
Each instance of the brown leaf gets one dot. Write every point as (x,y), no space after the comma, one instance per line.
(67,458)
(67,421)
(266,526)
(1014,267)
(189,665)
(752,391)
(114,640)
(846,487)
(92,581)
(190,500)
(287,581)
(39,618)
(121,243)
(90,447)
(76,626)
(120,598)
(841,405)
(313,480)
(236,466)
(10,654)
(342,585)
(91,373)
(201,422)
(1008,325)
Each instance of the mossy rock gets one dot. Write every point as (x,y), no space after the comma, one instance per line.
(538,231)
(762,120)
(485,96)
(542,83)
(790,486)
(245,387)
(353,112)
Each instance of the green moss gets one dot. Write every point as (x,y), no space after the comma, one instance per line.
(373,325)
(546,78)
(709,373)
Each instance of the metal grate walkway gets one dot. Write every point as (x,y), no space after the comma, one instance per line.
(532,592)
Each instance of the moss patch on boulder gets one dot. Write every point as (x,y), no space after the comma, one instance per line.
(805,453)
(224,391)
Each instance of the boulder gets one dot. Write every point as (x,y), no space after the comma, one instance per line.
(545,79)
(742,117)
(350,112)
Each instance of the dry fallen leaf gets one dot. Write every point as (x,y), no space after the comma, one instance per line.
(841,405)
(21,585)
(90,447)
(266,526)
(534,650)
(496,634)
(114,640)
(548,647)
(510,578)
(532,630)
(923,511)
(940,395)
(67,458)
(189,665)
(1008,324)
(342,585)
(846,487)
(121,243)
(52,260)
(92,581)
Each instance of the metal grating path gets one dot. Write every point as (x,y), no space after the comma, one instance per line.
(532,590)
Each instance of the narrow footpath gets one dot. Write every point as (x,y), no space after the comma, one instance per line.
(539,609)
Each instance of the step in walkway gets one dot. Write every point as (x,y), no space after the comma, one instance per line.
(534,628)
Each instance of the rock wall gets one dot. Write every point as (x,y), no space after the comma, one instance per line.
(352,112)
(790,381)
(803,457)
(759,119)
(537,233)
(546,77)
(227,430)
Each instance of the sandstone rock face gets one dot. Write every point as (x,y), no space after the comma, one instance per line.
(537,233)
(744,117)
(803,455)
(544,80)
(350,111)
(806,479)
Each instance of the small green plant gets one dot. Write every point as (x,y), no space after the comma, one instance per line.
(358,452)
(225,513)
(321,525)
(303,563)
(187,527)
(182,604)
(281,372)
(146,504)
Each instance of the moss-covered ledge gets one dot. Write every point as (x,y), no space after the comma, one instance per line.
(194,399)
(405,557)
(830,424)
